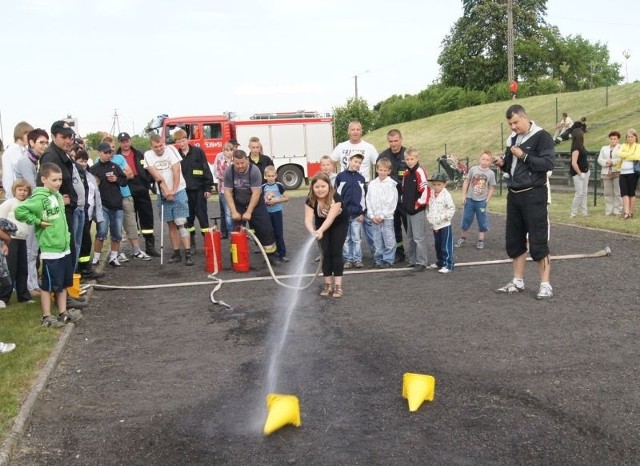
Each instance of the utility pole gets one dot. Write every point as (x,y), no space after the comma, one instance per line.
(355,81)
(510,40)
(626,54)
(115,122)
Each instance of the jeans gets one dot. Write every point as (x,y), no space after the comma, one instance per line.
(226,221)
(367,226)
(78,227)
(352,250)
(384,240)
(479,210)
(581,186)
(112,222)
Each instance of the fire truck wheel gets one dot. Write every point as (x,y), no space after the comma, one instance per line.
(290,176)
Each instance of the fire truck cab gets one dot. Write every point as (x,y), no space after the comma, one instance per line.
(295,141)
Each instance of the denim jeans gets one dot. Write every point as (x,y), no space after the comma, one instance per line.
(78,227)
(384,240)
(352,250)
(479,210)
(112,222)
(226,221)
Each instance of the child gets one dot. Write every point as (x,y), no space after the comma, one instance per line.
(110,177)
(45,210)
(7,228)
(382,200)
(350,187)
(17,258)
(482,181)
(441,210)
(328,167)
(415,197)
(327,219)
(274,195)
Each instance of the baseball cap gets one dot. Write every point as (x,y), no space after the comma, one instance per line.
(104,147)
(61,127)
(123,136)
(357,154)
(438,177)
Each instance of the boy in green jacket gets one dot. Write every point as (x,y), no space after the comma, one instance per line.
(45,210)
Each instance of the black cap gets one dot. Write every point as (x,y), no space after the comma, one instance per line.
(62,127)
(123,136)
(438,176)
(104,147)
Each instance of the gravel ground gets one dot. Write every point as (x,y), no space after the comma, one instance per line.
(165,377)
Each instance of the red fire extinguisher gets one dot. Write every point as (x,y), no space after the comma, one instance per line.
(239,246)
(213,250)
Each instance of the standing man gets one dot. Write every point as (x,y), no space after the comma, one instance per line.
(395,153)
(197,175)
(356,145)
(164,167)
(140,185)
(529,156)
(243,193)
(10,157)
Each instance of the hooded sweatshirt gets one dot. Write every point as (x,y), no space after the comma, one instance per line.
(45,205)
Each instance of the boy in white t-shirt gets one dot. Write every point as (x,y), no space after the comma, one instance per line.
(477,190)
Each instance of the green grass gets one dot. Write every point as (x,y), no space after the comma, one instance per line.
(20,324)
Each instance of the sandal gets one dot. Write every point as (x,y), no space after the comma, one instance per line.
(327,289)
(626,216)
(337,291)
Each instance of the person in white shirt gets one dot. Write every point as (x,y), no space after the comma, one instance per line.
(12,154)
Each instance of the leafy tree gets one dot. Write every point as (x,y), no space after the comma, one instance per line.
(93,139)
(354,109)
(474,54)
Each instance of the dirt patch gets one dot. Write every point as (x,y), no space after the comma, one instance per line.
(165,377)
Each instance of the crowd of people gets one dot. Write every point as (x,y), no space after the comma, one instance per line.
(57,193)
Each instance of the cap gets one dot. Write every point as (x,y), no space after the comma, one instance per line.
(356,154)
(234,142)
(61,127)
(104,147)
(438,177)
(123,136)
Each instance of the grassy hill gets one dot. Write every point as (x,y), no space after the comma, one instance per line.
(466,132)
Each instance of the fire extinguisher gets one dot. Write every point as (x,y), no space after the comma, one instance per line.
(213,249)
(239,246)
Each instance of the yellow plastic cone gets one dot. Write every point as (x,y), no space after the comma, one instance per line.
(74,290)
(281,410)
(417,388)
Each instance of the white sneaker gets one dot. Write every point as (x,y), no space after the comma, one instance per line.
(433,266)
(122,257)
(511,287)
(545,292)
(7,347)
(115,262)
(2,304)
(445,270)
(143,256)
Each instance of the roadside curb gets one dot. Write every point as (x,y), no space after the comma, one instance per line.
(24,416)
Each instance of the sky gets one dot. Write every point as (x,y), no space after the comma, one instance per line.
(140,58)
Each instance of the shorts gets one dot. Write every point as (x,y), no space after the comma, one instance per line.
(476,209)
(628,184)
(57,274)
(528,218)
(178,208)
(129,221)
(112,223)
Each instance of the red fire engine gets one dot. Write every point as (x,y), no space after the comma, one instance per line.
(295,140)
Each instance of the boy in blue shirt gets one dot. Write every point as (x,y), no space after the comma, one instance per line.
(274,195)
(350,186)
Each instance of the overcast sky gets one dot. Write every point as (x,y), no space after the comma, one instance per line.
(88,58)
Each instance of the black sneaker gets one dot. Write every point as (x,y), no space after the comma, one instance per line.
(176,257)
(188,260)
(419,268)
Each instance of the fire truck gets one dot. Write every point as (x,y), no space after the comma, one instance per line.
(294,140)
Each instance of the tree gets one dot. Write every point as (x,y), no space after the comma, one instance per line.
(474,54)
(354,109)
